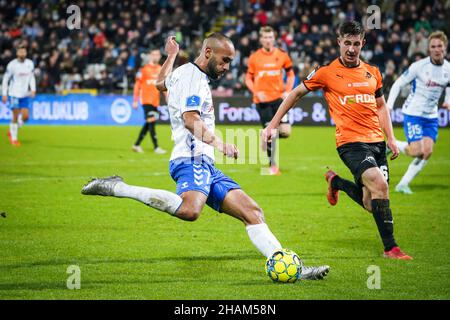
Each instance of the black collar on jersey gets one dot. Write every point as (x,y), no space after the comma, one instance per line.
(347,66)
(200,68)
(436,64)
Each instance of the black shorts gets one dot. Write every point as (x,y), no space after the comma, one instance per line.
(267,110)
(150,112)
(360,156)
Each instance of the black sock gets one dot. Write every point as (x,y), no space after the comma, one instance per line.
(383,218)
(142,134)
(350,188)
(269,152)
(151,129)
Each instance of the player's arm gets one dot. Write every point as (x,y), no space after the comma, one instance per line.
(136,90)
(386,126)
(172,48)
(32,84)
(289,81)
(284,107)
(290,75)
(250,75)
(5,82)
(197,127)
(446,103)
(408,76)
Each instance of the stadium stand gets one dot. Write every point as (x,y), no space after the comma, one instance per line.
(111,45)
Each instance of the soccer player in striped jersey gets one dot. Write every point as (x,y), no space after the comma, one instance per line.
(353,90)
(19,85)
(429,77)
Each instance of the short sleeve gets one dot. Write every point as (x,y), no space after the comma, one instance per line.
(316,79)
(190,88)
(379,88)
(287,62)
(411,73)
(251,65)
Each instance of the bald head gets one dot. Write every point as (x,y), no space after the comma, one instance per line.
(217,41)
(217,53)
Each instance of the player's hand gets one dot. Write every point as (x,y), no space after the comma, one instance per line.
(32,94)
(266,136)
(135,104)
(5,99)
(392,144)
(446,105)
(228,149)
(172,46)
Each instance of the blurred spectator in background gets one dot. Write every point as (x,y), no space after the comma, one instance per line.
(113,35)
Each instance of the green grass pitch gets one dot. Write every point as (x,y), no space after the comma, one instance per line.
(126,250)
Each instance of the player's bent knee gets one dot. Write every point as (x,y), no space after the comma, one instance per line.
(381,189)
(188,213)
(255,216)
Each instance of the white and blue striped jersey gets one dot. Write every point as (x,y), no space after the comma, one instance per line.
(428,81)
(188,90)
(19,79)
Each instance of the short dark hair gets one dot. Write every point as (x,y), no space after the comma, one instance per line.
(352,28)
(218,36)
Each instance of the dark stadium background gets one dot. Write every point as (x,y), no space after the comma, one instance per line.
(107,51)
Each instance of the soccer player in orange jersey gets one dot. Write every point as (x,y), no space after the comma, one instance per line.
(264,79)
(146,90)
(353,90)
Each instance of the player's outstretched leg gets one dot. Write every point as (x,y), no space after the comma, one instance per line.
(336,183)
(378,187)
(240,206)
(115,186)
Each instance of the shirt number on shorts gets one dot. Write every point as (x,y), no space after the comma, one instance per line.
(414,130)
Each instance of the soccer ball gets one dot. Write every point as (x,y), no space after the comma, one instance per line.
(284,266)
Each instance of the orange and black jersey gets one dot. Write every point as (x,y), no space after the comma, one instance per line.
(351,97)
(145,86)
(266,69)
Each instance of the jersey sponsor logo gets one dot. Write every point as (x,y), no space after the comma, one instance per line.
(431,83)
(358,84)
(193,101)
(368,75)
(269,73)
(357,98)
(120,110)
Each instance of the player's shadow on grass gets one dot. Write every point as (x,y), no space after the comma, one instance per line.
(290,194)
(87,147)
(428,187)
(81,262)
